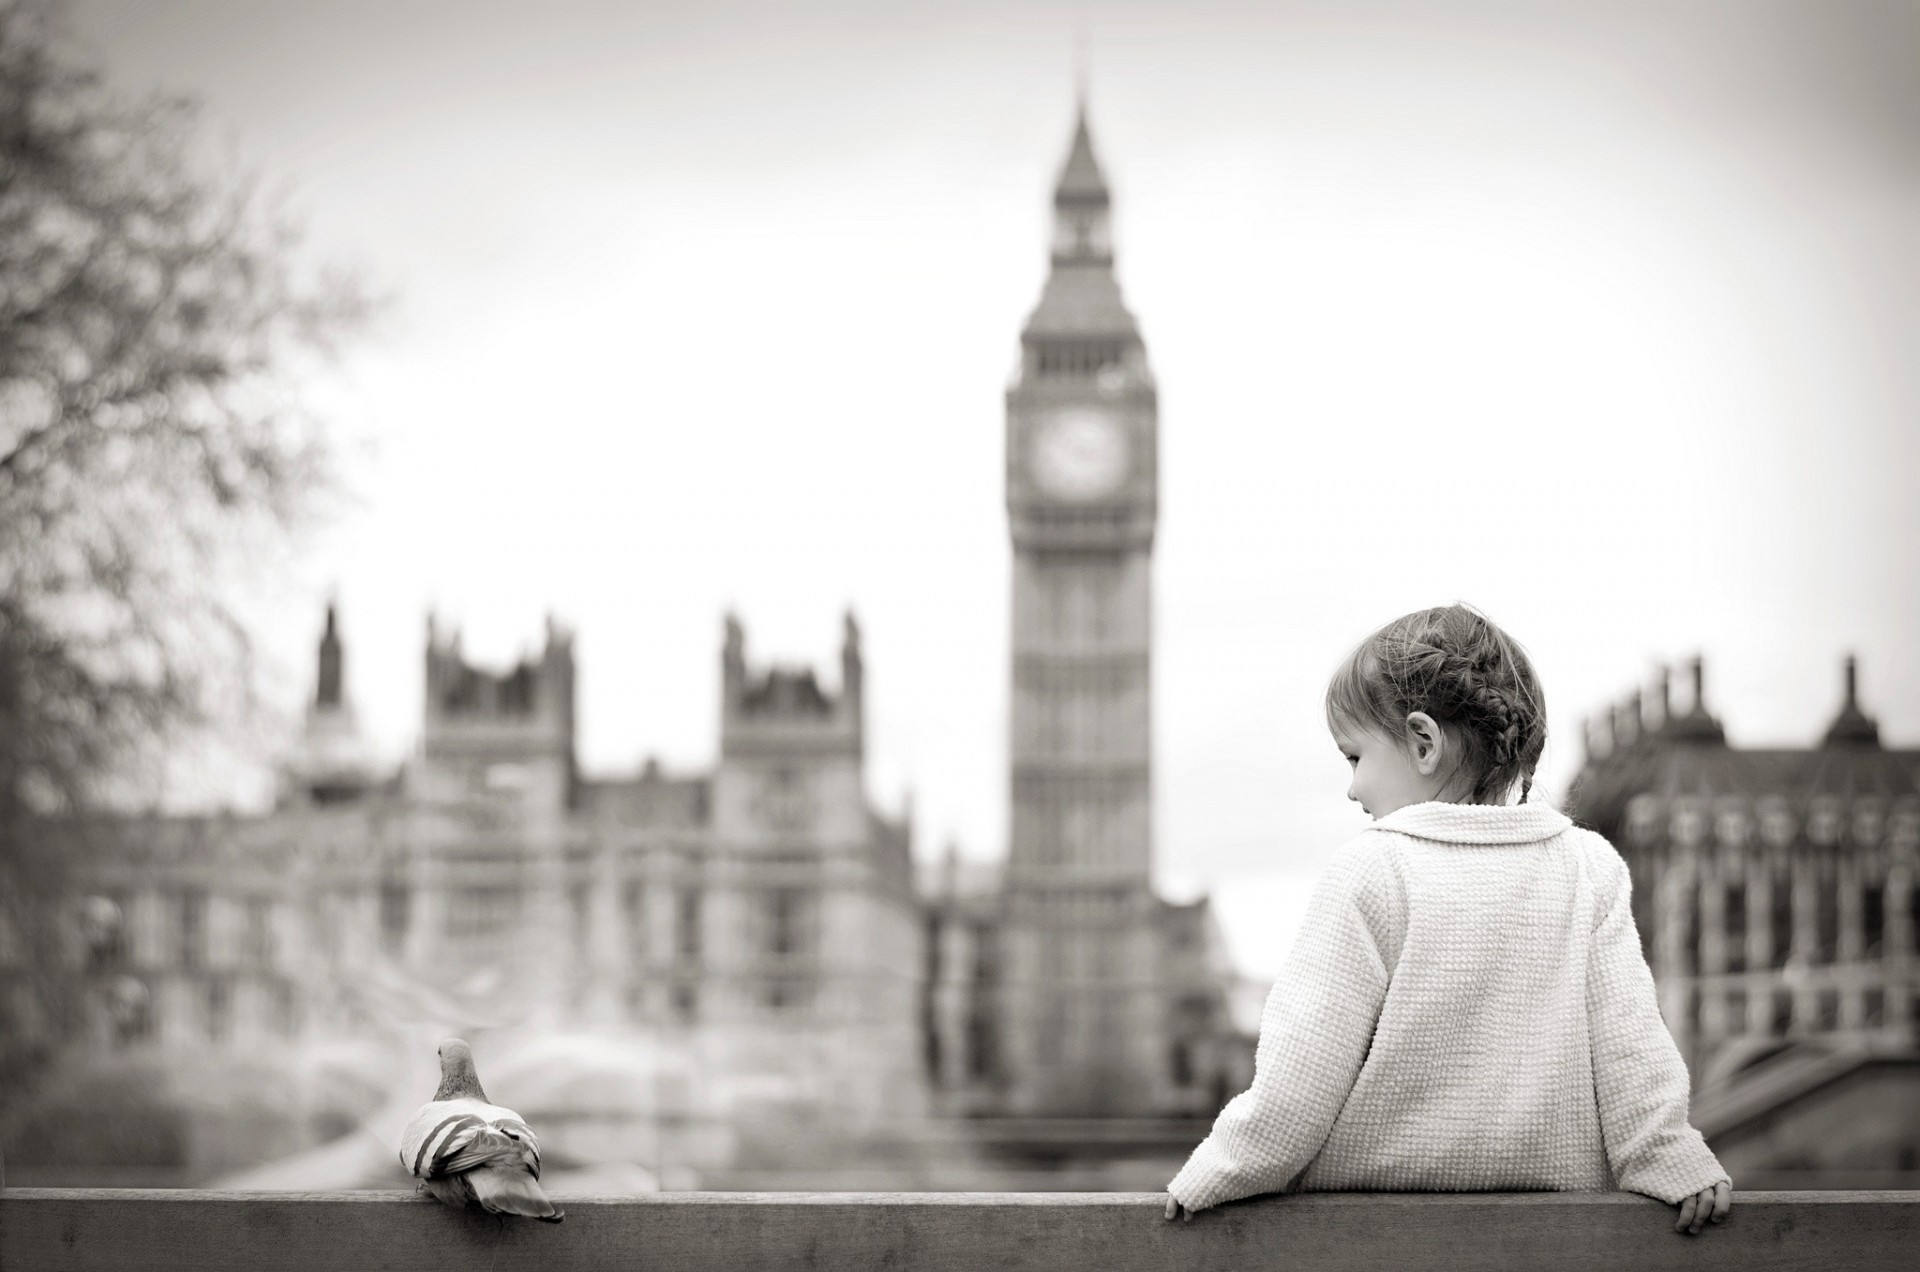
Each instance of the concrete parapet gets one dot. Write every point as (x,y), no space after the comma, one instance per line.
(54,1229)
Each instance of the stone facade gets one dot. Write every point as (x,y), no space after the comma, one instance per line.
(758,919)
(1774,892)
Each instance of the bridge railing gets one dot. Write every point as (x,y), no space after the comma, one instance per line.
(47,1230)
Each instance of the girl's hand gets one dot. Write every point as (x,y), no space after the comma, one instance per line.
(1709,1205)
(1177,1211)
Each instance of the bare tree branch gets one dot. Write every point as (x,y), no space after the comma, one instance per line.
(152,320)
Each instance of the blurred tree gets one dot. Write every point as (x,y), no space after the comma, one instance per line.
(153,321)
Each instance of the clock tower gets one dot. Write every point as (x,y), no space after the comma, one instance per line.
(1082,1011)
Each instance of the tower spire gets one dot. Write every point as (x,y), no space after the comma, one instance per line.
(1082,185)
(1698,724)
(1853,726)
(1081,300)
(332,761)
(329,689)
(1082,59)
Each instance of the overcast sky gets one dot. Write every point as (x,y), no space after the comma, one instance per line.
(1601,316)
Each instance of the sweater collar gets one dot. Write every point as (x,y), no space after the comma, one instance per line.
(1477,823)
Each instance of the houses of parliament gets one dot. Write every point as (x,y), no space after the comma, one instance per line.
(761,917)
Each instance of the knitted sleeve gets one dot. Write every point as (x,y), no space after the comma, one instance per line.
(1314,1034)
(1639,1079)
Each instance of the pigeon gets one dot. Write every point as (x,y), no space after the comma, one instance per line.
(464,1149)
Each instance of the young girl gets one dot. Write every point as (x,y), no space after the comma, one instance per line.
(1466,1007)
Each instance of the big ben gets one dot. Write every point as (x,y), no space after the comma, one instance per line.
(1085,1025)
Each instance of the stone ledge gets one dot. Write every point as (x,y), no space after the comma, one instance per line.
(60,1229)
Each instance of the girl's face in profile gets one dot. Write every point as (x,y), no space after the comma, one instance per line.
(1385,777)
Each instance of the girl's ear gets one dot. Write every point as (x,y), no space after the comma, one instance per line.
(1425,743)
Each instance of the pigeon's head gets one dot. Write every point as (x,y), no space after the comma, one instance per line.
(457,1075)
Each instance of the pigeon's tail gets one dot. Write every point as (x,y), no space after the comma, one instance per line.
(511,1190)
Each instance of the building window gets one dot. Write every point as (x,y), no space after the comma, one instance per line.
(981,1045)
(219,1009)
(1876,1007)
(686,1003)
(1048,1040)
(1736,1011)
(1180,1063)
(396,914)
(259,937)
(1690,933)
(325,912)
(1828,1002)
(1873,919)
(1781,920)
(1735,924)
(783,921)
(1827,919)
(104,931)
(687,924)
(930,1047)
(1782,1017)
(193,929)
(986,961)
(633,907)
(286,1015)
(480,912)
(931,950)
(786,800)
(130,1008)
(580,898)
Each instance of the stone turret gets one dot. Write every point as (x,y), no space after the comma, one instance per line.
(507,733)
(1853,727)
(1698,724)
(784,710)
(329,687)
(853,673)
(332,762)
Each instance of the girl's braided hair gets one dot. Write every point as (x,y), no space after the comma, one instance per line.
(1476,682)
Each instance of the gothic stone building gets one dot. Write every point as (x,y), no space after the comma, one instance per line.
(759,915)
(1071,990)
(1774,891)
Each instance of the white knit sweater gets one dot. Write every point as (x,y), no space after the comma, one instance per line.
(1466,1008)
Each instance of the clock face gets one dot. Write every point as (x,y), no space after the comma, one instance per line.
(1080,453)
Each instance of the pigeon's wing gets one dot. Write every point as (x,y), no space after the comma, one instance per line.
(522,1134)
(511,1191)
(436,1132)
(472,1147)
